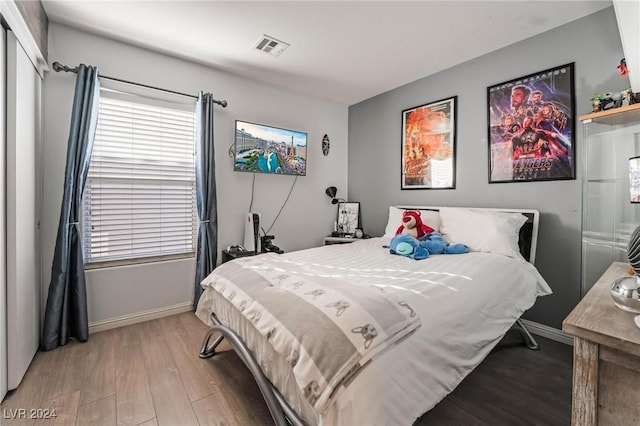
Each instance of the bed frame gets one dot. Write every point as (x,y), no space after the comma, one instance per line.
(280,410)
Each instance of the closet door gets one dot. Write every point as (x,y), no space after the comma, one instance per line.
(3,230)
(23,139)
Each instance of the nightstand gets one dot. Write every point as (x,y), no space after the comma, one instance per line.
(228,255)
(338,240)
(606,357)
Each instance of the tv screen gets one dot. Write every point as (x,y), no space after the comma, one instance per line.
(267,149)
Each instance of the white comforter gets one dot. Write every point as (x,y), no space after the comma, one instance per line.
(466,303)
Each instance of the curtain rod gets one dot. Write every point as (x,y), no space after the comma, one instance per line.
(57,66)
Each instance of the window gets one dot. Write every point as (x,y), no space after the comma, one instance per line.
(139,199)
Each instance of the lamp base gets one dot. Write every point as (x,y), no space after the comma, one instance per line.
(626,294)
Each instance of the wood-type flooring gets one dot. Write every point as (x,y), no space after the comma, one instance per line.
(150,374)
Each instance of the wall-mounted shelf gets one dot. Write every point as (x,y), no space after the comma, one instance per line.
(612,116)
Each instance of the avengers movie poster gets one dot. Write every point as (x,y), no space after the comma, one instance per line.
(429,145)
(532,127)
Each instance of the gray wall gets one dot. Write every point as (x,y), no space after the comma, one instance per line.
(593,43)
(122,293)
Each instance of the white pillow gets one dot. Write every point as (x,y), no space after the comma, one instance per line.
(429,217)
(483,230)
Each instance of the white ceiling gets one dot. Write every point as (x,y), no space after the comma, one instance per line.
(343,51)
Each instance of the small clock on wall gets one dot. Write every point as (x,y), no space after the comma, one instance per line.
(325,145)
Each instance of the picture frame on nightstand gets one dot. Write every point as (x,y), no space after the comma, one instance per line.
(348,219)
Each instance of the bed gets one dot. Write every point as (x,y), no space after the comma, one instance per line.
(457,308)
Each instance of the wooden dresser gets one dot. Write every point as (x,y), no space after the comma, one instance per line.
(606,357)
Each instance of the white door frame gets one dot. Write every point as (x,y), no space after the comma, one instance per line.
(3,207)
(23,106)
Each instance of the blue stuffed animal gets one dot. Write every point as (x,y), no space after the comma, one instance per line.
(432,243)
(435,243)
(409,246)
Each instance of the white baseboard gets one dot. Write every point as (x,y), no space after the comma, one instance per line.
(116,322)
(548,332)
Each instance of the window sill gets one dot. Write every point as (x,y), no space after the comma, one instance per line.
(138,261)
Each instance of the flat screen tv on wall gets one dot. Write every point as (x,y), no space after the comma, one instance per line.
(267,149)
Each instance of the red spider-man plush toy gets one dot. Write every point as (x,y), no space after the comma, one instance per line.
(623,67)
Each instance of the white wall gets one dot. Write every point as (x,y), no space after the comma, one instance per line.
(308,216)
(628,16)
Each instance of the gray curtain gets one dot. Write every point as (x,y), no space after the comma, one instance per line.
(207,254)
(66,312)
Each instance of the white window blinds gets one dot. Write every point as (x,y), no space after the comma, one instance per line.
(139,199)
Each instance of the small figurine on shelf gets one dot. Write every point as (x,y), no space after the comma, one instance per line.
(595,102)
(623,67)
(610,100)
(626,97)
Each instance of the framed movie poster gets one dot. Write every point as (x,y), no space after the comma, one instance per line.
(634,179)
(532,127)
(429,146)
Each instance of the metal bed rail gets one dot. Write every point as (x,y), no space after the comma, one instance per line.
(281,411)
(529,341)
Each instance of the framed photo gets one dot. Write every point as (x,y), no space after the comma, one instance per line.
(429,146)
(532,127)
(348,218)
(634,179)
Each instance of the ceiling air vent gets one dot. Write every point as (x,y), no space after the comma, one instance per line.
(270,45)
